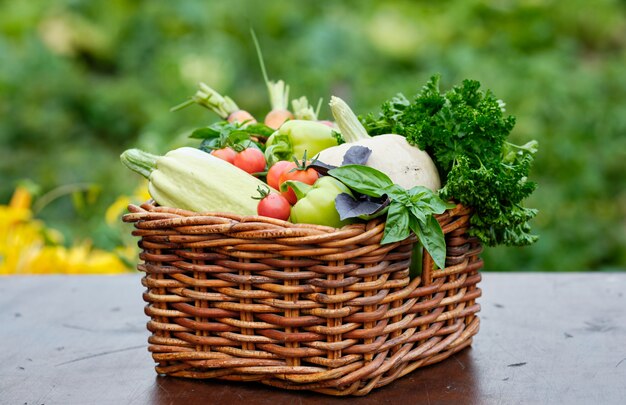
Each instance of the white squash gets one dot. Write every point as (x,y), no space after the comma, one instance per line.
(406,165)
(191,179)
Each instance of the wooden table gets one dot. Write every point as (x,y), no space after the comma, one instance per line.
(544,339)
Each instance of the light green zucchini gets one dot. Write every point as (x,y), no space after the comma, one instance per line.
(194,180)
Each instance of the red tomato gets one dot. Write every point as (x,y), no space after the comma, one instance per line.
(227,154)
(273,174)
(307,176)
(250,160)
(274,206)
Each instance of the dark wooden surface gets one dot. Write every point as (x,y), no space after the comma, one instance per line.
(544,339)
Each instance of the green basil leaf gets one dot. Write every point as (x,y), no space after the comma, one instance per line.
(362,179)
(418,213)
(397,193)
(437,205)
(397,225)
(431,236)
(209,145)
(205,133)
(238,136)
(259,129)
(427,200)
(418,193)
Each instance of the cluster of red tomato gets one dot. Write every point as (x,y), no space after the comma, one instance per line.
(252,160)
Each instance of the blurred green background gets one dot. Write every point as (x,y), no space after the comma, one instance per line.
(80,81)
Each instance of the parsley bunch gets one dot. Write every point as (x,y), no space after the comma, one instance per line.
(465,131)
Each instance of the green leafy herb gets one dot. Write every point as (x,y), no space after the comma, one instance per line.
(226,134)
(409,210)
(397,226)
(363,179)
(465,131)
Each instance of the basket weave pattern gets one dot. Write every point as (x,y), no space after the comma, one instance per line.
(300,306)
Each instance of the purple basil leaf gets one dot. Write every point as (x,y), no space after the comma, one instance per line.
(356,155)
(321,167)
(363,207)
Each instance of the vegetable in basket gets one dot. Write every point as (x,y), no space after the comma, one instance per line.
(272,205)
(228,154)
(191,179)
(295,137)
(279,97)
(406,165)
(465,130)
(316,203)
(296,171)
(275,171)
(250,160)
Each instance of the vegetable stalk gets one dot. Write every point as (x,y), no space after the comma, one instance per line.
(349,125)
(278,92)
(211,99)
(316,203)
(303,111)
(223,106)
(140,162)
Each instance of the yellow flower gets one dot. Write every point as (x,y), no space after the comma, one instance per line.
(79,259)
(118,208)
(115,210)
(21,199)
(19,242)
(20,235)
(23,249)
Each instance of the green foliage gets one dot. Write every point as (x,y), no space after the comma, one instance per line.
(80,81)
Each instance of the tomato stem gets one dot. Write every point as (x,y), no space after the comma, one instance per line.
(263,190)
(302,165)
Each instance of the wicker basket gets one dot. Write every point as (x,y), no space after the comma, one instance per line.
(300,306)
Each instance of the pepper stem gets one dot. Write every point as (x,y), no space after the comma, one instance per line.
(280,148)
(299,188)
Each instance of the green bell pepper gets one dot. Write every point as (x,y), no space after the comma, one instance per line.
(295,137)
(316,203)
